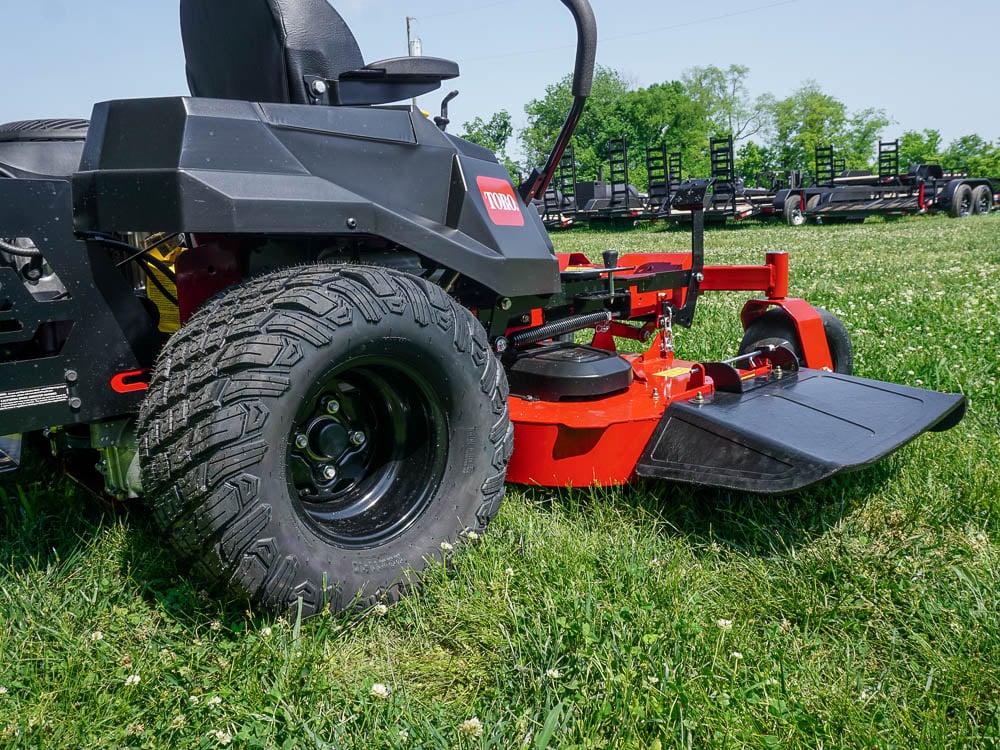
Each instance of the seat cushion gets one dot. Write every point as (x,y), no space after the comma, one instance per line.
(261,50)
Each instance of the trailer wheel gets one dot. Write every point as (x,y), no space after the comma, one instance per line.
(776,328)
(317,434)
(982,200)
(793,211)
(961,203)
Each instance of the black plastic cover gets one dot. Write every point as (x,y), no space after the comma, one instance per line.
(229,167)
(104,328)
(562,372)
(41,148)
(792,432)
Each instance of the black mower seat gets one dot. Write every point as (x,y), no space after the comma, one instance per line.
(293,52)
(41,149)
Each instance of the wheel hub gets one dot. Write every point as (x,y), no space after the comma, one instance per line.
(366,451)
(330,439)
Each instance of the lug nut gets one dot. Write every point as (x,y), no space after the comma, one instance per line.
(329,473)
(332,406)
(301,441)
(358,439)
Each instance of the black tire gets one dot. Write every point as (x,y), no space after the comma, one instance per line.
(776,328)
(982,200)
(961,203)
(793,211)
(375,373)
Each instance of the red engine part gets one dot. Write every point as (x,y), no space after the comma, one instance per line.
(211,265)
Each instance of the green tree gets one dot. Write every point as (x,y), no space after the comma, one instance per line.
(809,118)
(919,148)
(605,117)
(493,134)
(751,160)
(660,114)
(859,139)
(664,113)
(975,155)
(725,99)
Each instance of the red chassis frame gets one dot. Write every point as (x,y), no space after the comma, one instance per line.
(574,443)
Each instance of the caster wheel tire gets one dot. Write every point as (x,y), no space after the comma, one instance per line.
(776,328)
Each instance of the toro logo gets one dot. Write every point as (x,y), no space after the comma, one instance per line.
(502,205)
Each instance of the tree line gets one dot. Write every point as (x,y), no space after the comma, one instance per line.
(769,134)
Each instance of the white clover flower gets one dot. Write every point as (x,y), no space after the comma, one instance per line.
(446,546)
(179,722)
(213,701)
(266,632)
(97,635)
(736,656)
(403,735)
(216,625)
(222,737)
(472,536)
(132,680)
(3,690)
(194,700)
(471,727)
(380,690)
(653,679)
(509,572)
(381,610)
(724,624)
(553,674)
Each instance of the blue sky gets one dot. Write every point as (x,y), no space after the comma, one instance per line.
(928,64)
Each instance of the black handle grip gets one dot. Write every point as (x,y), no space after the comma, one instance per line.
(586,46)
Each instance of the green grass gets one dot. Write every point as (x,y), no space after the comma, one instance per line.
(860,613)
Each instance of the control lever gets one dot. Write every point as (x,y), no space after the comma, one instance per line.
(442,121)
(611,263)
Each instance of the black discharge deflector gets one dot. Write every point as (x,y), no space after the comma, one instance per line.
(792,432)
(561,372)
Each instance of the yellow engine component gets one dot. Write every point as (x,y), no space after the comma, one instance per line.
(167,254)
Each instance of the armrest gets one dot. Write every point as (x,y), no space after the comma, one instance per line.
(405,70)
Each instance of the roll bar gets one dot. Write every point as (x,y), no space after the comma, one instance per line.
(583,79)
(586,46)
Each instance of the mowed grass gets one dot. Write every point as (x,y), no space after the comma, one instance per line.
(859,613)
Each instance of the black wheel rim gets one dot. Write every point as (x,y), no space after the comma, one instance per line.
(367,451)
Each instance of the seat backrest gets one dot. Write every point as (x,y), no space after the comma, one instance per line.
(261,50)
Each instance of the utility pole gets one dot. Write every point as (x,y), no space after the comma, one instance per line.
(413,45)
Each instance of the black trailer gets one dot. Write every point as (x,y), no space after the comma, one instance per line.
(616,200)
(663,170)
(729,197)
(854,195)
(558,207)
